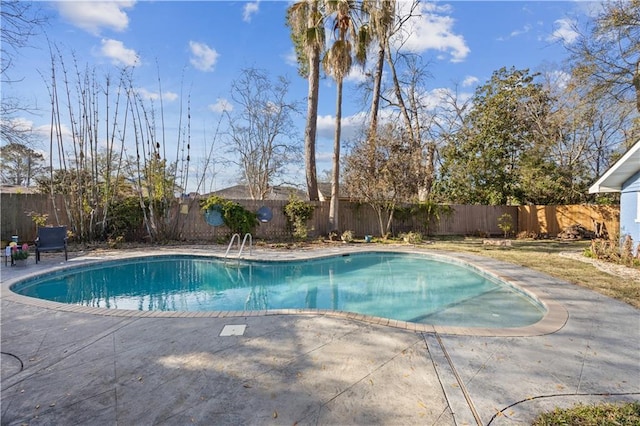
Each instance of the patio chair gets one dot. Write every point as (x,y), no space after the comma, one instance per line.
(53,238)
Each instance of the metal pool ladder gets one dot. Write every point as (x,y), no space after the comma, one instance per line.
(240,247)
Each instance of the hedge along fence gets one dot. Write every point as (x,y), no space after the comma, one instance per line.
(188,221)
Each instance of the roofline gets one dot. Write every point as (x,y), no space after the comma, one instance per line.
(598,186)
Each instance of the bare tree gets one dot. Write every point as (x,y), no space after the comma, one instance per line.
(407,97)
(376,172)
(607,57)
(262,130)
(20,22)
(404,96)
(449,116)
(583,133)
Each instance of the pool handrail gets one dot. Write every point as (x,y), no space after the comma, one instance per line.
(233,238)
(244,240)
(240,247)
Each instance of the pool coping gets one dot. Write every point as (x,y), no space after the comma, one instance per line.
(554,319)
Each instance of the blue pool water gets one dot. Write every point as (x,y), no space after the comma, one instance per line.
(400,286)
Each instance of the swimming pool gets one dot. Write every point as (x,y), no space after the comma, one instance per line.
(407,287)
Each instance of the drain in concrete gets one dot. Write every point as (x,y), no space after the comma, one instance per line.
(233,330)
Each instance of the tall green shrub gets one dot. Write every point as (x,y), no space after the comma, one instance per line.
(125,219)
(298,213)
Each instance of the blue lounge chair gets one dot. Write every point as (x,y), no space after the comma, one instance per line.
(53,238)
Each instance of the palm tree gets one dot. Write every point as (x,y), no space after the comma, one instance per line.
(306,21)
(382,16)
(337,63)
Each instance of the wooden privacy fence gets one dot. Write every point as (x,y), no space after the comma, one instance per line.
(15,214)
(359,218)
(552,220)
(189,224)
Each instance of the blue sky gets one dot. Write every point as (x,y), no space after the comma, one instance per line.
(199,48)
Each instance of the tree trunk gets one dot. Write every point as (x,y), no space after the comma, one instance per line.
(378,210)
(429,174)
(398,92)
(375,97)
(636,85)
(312,115)
(389,222)
(335,178)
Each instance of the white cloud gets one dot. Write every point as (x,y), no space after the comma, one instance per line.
(469,81)
(589,8)
(356,74)
(271,108)
(45,130)
(350,126)
(42,130)
(326,126)
(19,123)
(564,31)
(290,58)
(92,16)
(431,99)
(524,30)
(324,156)
(559,78)
(203,57)
(432,30)
(119,54)
(221,106)
(154,96)
(249,10)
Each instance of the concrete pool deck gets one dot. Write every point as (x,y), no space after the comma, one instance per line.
(79,365)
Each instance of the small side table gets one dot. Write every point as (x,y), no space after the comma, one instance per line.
(8,254)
